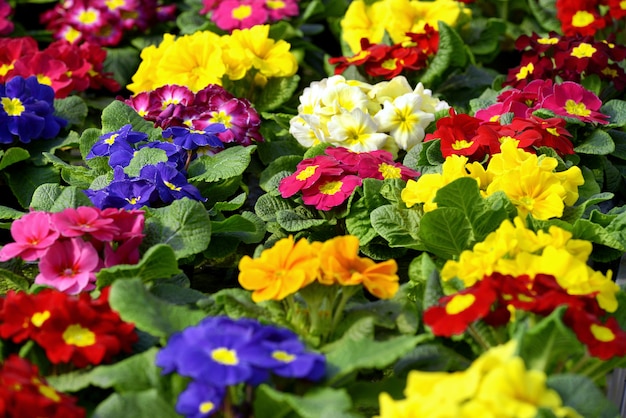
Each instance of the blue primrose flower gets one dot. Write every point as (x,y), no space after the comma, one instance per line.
(176,155)
(170,183)
(27,111)
(123,192)
(191,139)
(200,400)
(119,140)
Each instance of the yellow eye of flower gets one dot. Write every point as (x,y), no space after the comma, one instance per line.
(602,333)
(242,12)
(79,336)
(331,188)
(525,71)
(584,50)
(39,318)
(582,18)
(13,106)
(307,172)
(389,171)
(459,303)
(578,109)
(225,356)
(283,356)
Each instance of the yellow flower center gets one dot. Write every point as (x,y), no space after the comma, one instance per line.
(389,171)
(13,106)
(362,54)
(553,131)
(307,172)
(225,356)
(582,18)
(114,4)
(622,5)
(275,4)
(206,407)
(610,72)
(49,393)
(44,79)
(584,50)
(331,188)
(171,186)
(111,140)
(601,333)
(39,318)
(242,12)
(462,144)
(88,17)
(71,35)
(578,109)
(5,68)
(459,303)
(548,41)
(525,71)
(79,336)
(390,64)
(283,356)
(133,200)
(223,118)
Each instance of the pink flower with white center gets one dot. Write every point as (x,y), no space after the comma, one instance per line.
(174,94)
(281,9)
(573,100)
(33,235)
(235,14)
(69,265)
(84,220)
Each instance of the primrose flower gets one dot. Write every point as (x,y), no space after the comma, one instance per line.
(356,130)
(170,183)
(280,271)
(84,220)
(33,235)
(27,111)
(573,100)
(111,142)
(234,14)
(191,139)
(200,400)
(307,173)
(330,191)
(405,120)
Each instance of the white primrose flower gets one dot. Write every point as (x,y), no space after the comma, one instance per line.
(405,120)
(388,90)
(306,130)
(357,131)
(430,104)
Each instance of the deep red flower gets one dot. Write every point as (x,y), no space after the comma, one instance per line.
(579,16)
(457,132)
(23,314)
(24,393)
(454,313)
(604,340)
(12,49)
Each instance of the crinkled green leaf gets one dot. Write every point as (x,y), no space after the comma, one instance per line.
(122,63)
(400,227)
(319,402)
(144,404)
(159,262)
(72,108)
(12,155)
(599,142)
(616,110)
(583,395)
(118,114)
(24,179)
(229,163)
(452,53)
(267,206)
(12,281)
(143,157)
(358,223)
(297,220)
(247,227)
(446,232)
(277,91)
(184,225)
(136,304)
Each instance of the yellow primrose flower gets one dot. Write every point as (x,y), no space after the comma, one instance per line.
(280,271)
(363,21)
(271,58)
(143,79)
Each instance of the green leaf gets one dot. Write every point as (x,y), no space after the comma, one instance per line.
(590,231)
(452,54)
(118,114)
(161,319)
(143,157)
(144,404)
(548,343)
(599,142)
(10,213)
(277,91)
(12,281)
(616,110)
(159,262)
(446,232)
(298,220)
(247,227)
(319,402)
(72,108)
(358,222)
(184,225)
(53,197)
(352,356)
(267,206)
(233,204)
(400,227)
(583,395)
(431,357)
(13,155)
(545,13)
(229,163)
(284,163)
(121,62)
(24,179)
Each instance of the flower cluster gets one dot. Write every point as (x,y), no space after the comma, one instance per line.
(359,116)
(290,266)
(497,384)
(570,58)
(104,22)
(173,105)
(25,393)
(77,330)
(234,14)
(388,61)
(27,111)
(328,180)
(587,17)
(221,352)
(66,67)
(372,20)
(204,58)
(74,244)
(529,181)
(152,184)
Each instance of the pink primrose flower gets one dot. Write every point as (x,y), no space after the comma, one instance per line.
(125,253)
(307,173)
(130,223)
(33,234)
(84,220)
(69,265)
(281,9)
(330,192)
(235,14)
(573,100)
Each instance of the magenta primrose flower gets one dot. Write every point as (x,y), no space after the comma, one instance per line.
(307,173)
(82,221)
(236,14)
(573,100)
(69,265)
(33,234)
(330,192)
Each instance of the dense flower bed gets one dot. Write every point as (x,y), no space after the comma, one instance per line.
(262,208)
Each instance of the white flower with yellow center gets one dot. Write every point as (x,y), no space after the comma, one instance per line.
(404,120)
(357,131)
